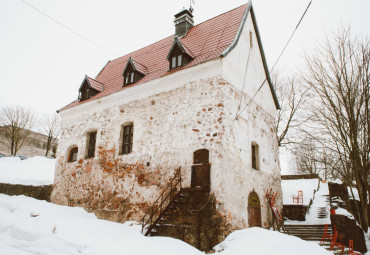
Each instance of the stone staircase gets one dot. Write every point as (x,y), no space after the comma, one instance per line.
(311,233)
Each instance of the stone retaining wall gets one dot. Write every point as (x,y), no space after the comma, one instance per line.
(38,192)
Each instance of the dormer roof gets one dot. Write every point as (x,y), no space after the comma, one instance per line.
(136,66)
(184,49)
(98,86)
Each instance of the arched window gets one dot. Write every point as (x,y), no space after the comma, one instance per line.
(72,156)
(255,156)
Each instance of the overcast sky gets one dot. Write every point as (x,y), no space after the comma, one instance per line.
(42,64)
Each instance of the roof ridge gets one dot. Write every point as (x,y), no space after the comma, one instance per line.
(221,14)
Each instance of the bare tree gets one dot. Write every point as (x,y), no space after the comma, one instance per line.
(50,126)
(339,77)
(311,157)
(291,98)
(16,123)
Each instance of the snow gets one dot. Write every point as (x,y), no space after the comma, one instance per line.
(264,242)
(290,189)
(355,193)
(30,226)
(367,240)
(337,181)
(321,204)
(33,171)
(344,212)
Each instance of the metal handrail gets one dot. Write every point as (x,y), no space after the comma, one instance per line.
(171,188)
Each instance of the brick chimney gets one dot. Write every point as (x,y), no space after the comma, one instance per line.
(183,22)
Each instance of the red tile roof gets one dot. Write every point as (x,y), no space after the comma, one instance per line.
(206,41)
(95,84)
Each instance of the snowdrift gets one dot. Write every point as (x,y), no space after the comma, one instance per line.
(33,171)
(29,226)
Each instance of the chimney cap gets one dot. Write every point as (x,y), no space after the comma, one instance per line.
(184,11)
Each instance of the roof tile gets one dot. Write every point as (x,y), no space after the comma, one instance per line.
(206,41)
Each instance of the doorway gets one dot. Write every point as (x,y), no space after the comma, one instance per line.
(254,210)
(200,170)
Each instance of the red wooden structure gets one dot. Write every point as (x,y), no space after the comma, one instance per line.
(334,243)
(276,216)
(326,236)
(299,198)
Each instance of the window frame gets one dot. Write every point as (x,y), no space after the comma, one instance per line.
(177,61)
(89,145)
(127,138)
(72,153)
(255,156)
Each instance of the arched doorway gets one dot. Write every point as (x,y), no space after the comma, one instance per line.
(200,170)
(254,210)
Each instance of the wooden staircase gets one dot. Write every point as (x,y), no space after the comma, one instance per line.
(169,197)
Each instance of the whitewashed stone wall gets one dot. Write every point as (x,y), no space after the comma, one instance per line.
(174,116)
(168,128)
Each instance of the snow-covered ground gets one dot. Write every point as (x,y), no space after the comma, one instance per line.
(30,226)
(320,205)
(291,187)
(33,171)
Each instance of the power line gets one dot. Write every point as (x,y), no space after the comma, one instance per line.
(277,60)
(69,29)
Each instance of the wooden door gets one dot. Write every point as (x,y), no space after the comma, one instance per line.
(254,210)
(201,170)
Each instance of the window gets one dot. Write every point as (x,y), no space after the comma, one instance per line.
(127,138)
(255,158)
(91,141)
(250,39)
(176,61)
(173,62)
(73,154)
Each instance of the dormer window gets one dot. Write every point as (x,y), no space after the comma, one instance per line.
(133,72)
(178,55)
(130,77)
(176,61)
(89,88)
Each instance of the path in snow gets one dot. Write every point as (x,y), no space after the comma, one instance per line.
(319,210)
(318,213)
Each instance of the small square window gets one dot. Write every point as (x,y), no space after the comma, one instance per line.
(179,60)
(173,62)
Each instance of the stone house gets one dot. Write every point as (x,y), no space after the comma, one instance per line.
(192,100)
